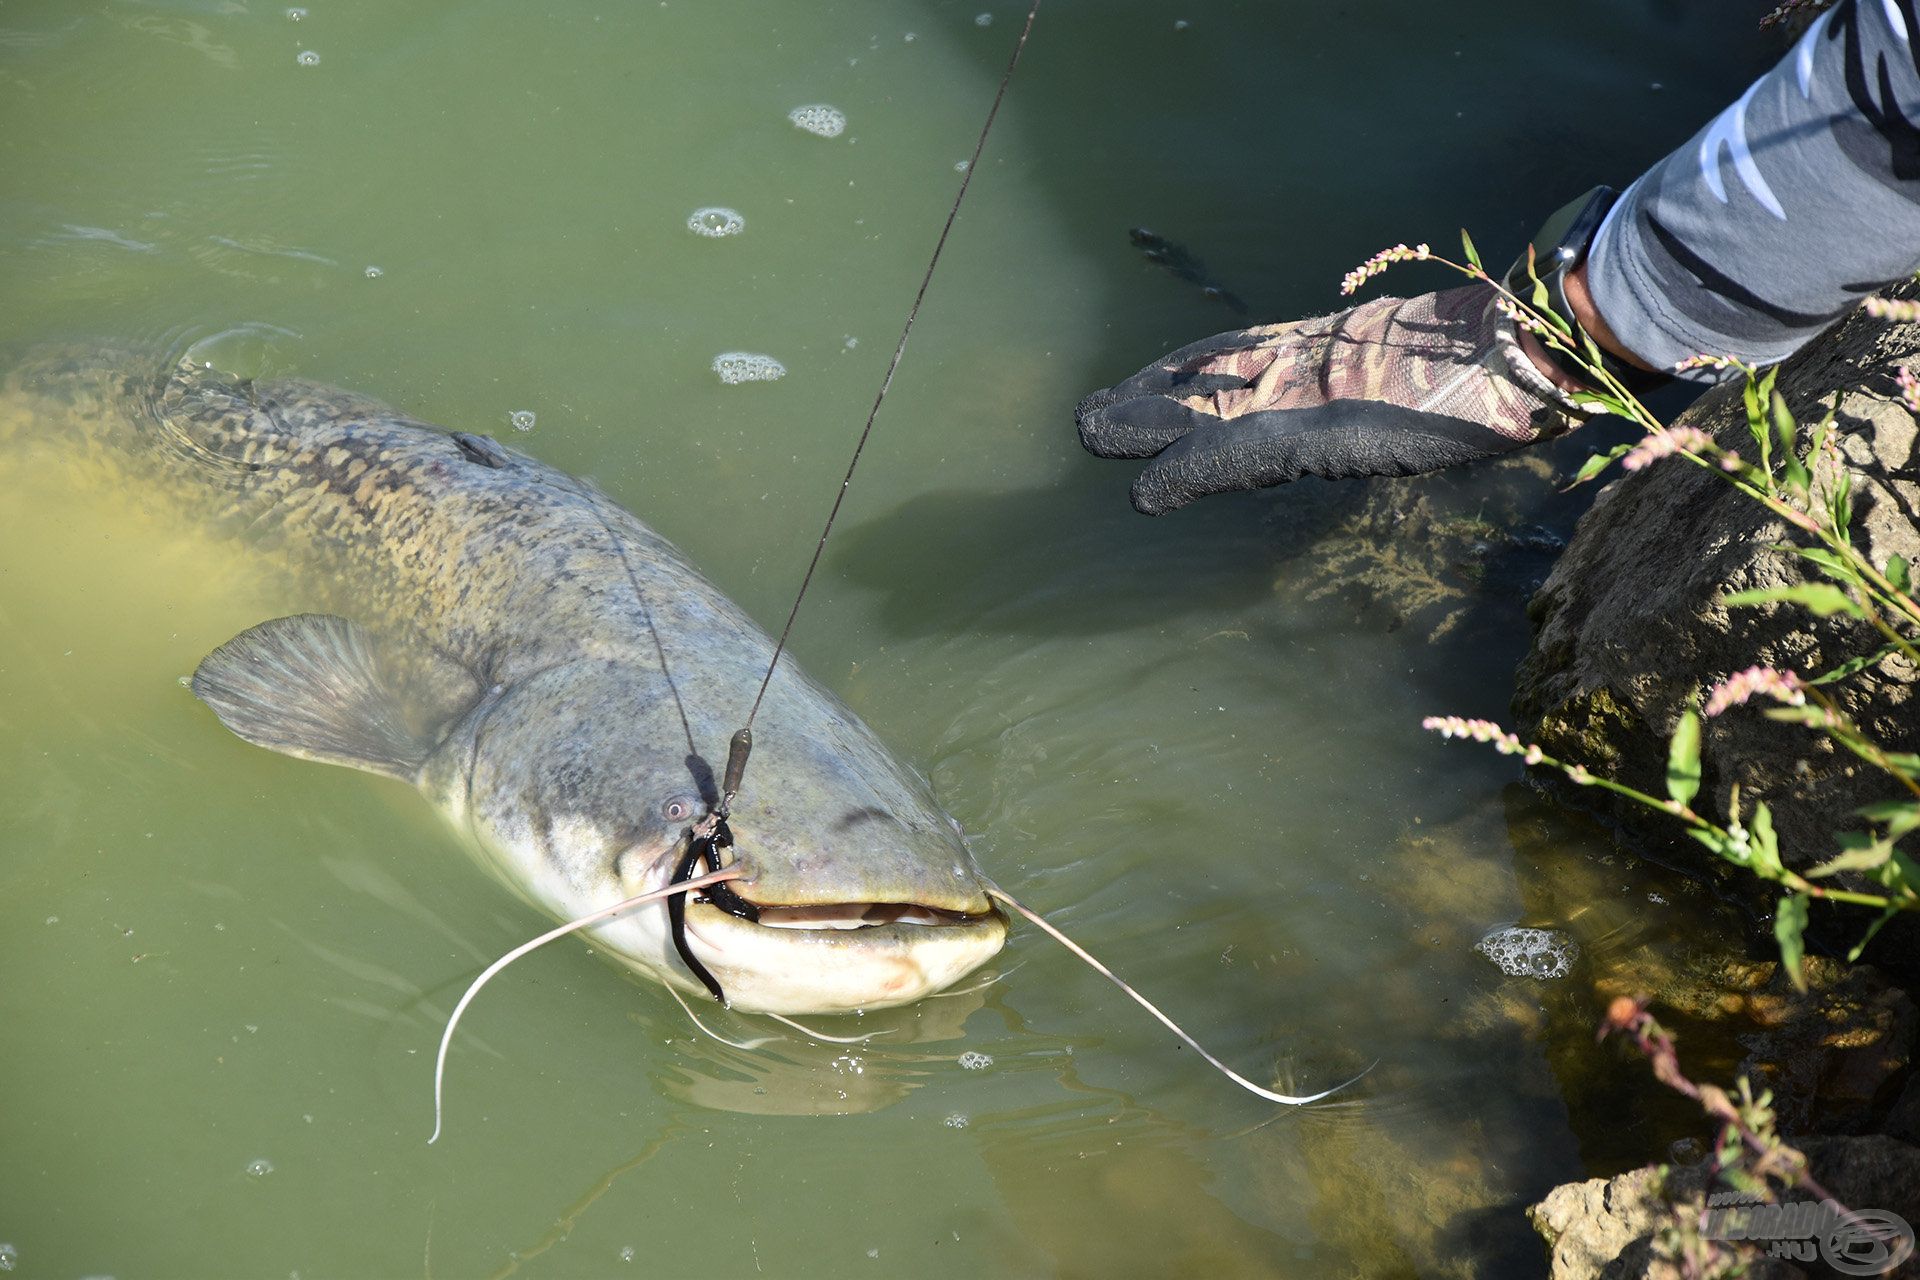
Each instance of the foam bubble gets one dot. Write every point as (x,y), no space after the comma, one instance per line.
(974,1060)
(955,1121)
(715,221)
(982,19)
(521,419)
(259,1168)
(1530,953)
(827,122)
(295,15)
(307,58)
(374,273)
(9,1257)
(628,1253)
(747,366)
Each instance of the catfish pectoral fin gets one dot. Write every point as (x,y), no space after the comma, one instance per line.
(320,687)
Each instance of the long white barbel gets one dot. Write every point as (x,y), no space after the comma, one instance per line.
(1001,895)
(592,917)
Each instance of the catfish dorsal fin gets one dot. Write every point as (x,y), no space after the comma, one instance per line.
(322,688)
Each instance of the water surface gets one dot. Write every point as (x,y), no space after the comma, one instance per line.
(1192,740)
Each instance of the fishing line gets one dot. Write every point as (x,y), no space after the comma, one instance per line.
(742,742)
(712,835)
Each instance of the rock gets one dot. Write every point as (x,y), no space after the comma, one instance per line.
(1609,1227)
(1588,1224)
(1835,1055)
(1629,628)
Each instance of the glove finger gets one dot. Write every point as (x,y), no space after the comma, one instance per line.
(1175,372)
(1335,441)
(1135,428)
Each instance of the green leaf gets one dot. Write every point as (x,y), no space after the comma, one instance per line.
(1867,937)
(1466,247)
(1898,575)
(1886,810)
(1859,662)
(1840,501)
(1789,922)
(1904,761)
(1683,759)
(1599,462)
(1812,717)
(1757,427)
(1766,845)
(1862,853)
(1786,430)
(1820,597)
(1835,567)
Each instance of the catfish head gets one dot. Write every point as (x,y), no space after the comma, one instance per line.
(582,783)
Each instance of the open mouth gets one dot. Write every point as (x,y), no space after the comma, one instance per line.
(833,957)
(860,915)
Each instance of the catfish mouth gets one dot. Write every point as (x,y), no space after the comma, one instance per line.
(860,915)
(839,957)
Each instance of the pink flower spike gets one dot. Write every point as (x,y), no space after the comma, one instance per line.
(1706,362)
(1781,686)
(1661,444)
(1380,262)
(1909,386)
(1893,309)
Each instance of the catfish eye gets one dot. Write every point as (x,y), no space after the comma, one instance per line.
(678,809)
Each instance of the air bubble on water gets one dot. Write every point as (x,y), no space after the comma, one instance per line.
(374,273)
(521,419)
(295,15)
(974,1060)
(820,119)
(982,19)
(1181,24)
(307,58)
(628,1253)
(9,1257)
(53,919)
(1530,953)
(715,221)
(874,1253)
(955,1121)
(1656,900)
(961,166)
(909,37)
(259,1168)
(735,367)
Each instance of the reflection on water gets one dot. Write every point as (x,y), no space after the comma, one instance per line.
(1190,741)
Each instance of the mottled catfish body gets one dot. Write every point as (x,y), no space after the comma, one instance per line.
(548,670)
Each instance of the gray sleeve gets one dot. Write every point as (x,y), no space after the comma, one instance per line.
(1784,211)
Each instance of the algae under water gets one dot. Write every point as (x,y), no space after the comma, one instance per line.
(226,971)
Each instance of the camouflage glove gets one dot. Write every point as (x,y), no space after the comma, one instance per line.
(1393,387)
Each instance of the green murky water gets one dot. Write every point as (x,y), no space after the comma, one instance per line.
(1191,740)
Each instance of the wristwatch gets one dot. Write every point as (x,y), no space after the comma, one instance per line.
(1556,252)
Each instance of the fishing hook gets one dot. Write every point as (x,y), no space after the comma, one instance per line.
(712,836)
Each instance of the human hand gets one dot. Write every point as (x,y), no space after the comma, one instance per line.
(1393,387)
